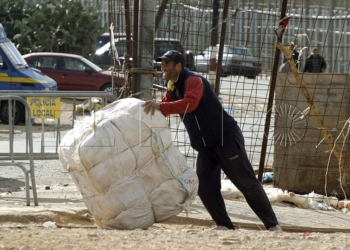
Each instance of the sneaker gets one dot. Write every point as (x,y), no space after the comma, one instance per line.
(276,229)
(219,228)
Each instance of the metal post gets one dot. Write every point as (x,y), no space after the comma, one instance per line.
(331,53)
(306,13)
(255,4)
(42,136)
(135,34)
(160,13)
(11,119)
(270,101)
(221,47)
(127,26)
(213,48)
(145,47)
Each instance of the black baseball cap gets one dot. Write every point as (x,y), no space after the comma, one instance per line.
(172,56)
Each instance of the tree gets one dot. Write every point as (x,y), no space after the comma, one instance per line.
(56,26)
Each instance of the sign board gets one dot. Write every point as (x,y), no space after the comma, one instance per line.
(44,107)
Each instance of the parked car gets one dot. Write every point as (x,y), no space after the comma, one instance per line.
(102,56)
(16,75)
(105,38)
(235,61)
(73,72)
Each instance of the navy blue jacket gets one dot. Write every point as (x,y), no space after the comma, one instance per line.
(207,124)
(320,61)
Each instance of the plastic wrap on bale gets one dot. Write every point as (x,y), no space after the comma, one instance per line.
(126,168)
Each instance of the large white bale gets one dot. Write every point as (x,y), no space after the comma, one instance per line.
(126,168)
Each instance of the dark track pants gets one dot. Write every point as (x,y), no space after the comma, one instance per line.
(230,156)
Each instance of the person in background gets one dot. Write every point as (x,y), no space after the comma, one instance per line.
(315,63)
(295,54)
(217,138)
(285,68)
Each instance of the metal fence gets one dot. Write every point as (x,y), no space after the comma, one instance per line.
(47,146)
(252,26)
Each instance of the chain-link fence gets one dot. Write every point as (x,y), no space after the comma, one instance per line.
(296,149)
(304,153)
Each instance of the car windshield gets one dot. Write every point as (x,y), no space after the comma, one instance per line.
(120,45)
(237,51)
(91,65)
(13,55)
(103,49)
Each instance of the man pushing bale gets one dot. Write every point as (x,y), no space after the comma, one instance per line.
(217,138)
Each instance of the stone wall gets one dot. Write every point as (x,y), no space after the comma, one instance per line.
(303,161)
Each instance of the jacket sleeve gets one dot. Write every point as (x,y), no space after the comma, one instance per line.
(167,97)
(192,96)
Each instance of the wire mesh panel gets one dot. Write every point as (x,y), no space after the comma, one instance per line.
(248,52)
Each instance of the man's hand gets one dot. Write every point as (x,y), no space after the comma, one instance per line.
(150,106)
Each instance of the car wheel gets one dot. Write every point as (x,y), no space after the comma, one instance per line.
(19,116)
(107,87)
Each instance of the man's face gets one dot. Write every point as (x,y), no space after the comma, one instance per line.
(169,70)
(315,52)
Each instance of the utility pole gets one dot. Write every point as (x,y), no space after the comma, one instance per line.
(145,47)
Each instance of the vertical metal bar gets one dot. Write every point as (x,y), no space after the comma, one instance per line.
(10,120)
(127,26)
(27,131)
(31,160)
(221,47)
(135,34)
(270,100)
(160,13)
(27,188)
(213,43)
(42,136)
(58,138)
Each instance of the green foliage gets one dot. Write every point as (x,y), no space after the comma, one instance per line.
(58,26)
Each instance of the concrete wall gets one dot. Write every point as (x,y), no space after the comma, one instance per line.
(302,158)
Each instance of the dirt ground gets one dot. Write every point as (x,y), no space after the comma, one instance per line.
(162,236)
(179,232)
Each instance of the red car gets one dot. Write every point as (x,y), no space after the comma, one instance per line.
(73,72)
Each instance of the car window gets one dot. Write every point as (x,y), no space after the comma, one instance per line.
(121,47)
(239,51)
(102,40)
(161,47)
(2,63)
(44,62)
(73,64)
(247,52)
